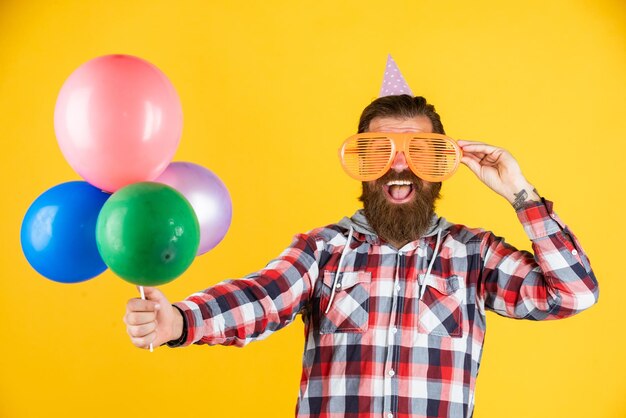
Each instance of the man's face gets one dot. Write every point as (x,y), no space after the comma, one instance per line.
(399,205)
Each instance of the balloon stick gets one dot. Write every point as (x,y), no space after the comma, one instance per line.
(143,296)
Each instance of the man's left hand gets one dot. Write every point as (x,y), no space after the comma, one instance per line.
(497,168)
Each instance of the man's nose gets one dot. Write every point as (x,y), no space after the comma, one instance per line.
(399,163)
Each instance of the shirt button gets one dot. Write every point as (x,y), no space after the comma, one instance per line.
(391,373)
(389,415)
(338,286)
(394,330)
(398,288)
(574,252)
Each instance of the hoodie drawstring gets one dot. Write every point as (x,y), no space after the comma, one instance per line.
(336,280)
(430,265)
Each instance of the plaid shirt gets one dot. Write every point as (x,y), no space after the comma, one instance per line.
(396,332)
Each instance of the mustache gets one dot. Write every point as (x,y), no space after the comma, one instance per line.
(406,175)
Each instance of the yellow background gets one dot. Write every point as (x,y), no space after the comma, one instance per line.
(269,90)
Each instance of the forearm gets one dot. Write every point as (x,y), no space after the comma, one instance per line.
(522,194)
(236,312)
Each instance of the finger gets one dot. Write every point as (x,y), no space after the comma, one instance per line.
(152,293)
(480,147)
(476,155)
(472,163)
(463,142)
(139,331)
(488,158)
(480,159)
(145,341)
(140,305)
(139,318)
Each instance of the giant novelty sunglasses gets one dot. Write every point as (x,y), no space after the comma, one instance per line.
(369,155)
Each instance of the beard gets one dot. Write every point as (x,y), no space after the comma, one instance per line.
(404,222)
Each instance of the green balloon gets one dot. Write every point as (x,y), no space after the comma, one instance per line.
(147,233)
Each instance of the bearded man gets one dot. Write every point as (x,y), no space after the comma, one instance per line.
(394,297)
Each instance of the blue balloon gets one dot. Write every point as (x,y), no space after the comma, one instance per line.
(59,232)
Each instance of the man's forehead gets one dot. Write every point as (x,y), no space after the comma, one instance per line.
(419,123)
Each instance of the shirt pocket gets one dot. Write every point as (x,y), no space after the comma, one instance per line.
(441,307)
(349,311)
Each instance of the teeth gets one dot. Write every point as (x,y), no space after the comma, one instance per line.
(399,183)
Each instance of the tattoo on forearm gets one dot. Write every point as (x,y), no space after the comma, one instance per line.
(520,199)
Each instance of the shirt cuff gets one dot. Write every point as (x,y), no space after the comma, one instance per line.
(183,337)
(539,220)
(196,323)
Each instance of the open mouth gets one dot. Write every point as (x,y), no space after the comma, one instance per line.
(399,191)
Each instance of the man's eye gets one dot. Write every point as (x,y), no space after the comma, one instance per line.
(379,145)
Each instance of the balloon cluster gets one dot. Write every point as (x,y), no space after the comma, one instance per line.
(118,121)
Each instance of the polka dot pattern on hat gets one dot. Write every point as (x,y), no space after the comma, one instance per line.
(393,82)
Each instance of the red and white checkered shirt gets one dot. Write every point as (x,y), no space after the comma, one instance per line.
(396,332)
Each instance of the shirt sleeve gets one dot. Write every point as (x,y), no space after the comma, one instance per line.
(236,312)
(556,282)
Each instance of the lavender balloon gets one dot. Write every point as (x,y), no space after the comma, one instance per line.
(208,197)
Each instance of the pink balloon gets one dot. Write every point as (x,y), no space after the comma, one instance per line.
(118,121)
(208,197)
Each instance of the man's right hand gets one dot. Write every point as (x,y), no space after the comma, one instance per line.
(153,320)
